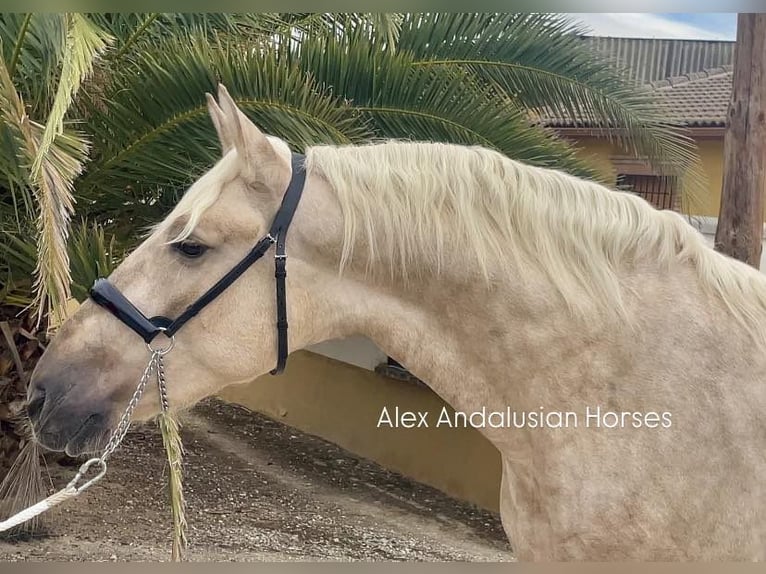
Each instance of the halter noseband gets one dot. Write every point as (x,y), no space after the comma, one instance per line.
(109,297)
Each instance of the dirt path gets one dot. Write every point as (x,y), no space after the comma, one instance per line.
(258,490)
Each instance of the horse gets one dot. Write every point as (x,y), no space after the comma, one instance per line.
(497,283)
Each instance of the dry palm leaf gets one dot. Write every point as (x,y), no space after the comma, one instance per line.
(171,439)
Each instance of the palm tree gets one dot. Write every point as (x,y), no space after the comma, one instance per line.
(104,115)
(133,87)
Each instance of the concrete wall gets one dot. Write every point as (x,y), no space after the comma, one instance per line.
(342,403)
(357,351)
(711,155)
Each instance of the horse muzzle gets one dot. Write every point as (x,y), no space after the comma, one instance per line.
(62,424)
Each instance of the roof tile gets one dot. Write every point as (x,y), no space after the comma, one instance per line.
(699,99)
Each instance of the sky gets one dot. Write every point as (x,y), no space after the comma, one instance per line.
(697,26)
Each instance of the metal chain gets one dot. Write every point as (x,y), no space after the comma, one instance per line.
(122,427)
(156,365)
(162,385)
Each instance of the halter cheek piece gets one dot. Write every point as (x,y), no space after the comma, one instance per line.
(111,299)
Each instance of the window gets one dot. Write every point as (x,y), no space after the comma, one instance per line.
(659,190)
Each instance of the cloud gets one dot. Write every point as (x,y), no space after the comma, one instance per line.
(642,25)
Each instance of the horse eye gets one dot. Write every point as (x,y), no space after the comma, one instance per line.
(190,249)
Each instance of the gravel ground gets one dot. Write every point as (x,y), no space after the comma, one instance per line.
(259,491)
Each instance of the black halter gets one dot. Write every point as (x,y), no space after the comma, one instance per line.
(109,297)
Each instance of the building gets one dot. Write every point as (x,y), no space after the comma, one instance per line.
(692,82)
(338,389)
(650,60)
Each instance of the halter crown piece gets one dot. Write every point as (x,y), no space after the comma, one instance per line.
(111,299)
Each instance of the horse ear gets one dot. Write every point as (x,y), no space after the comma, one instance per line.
(256,153)
(219,121)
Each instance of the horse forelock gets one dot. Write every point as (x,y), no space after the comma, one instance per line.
(198,199)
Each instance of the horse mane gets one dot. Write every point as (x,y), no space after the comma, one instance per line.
(409,200)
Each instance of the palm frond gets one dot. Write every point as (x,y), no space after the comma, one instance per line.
(84,43)
(16,199)
(381,27)
(92,254)
(134,31)
(160,137)
(51,156)
(387,27)
(20,36)
(52,188)
(33,46)
(310,78)
(540,62)
(405,101)
(18,258)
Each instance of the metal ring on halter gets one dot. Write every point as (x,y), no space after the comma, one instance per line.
(167,349)
(83,469)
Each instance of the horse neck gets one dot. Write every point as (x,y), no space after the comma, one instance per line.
(512,340)
(455,330)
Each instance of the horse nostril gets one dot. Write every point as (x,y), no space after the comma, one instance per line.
(35,404)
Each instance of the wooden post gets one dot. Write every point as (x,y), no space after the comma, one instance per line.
(740,222)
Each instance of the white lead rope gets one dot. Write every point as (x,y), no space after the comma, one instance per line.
(71,490)
(37,509)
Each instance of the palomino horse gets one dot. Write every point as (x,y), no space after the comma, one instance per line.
(500,284)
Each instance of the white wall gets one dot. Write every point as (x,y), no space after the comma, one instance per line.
(359,351)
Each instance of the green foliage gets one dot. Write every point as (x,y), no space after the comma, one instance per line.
(401,100)
(18,258)
(91,255)
(45,160)
(160,137)
(116,117)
